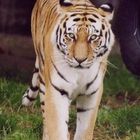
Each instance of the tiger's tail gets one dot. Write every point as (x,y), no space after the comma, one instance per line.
(32,91)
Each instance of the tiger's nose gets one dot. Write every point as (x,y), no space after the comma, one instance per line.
(80,60)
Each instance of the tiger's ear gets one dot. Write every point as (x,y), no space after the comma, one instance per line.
(108,10)
(65,3)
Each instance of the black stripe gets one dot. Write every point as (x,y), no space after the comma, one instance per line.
(102,53)
(58,40)
(64,25)
(60,33)
(74,15)
(34,88)
(57,33)
(45,2)
(41,56)
(62,91)
(81,110)
(35,21)
(67,123)
(91,20)
(92,93)
(43,41)
(41,91)
(60,73)
(109,36)
(30,98)
(76,19)
(95,16)
(90,83)
(42,103)
(88,94)
(36,70)
(103,27)
(58,47)
(101,33)
(106,49)
(41,80)
(45,23)
(106,36)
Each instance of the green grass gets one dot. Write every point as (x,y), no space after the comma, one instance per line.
(120,122)
(16,122)
(118,79)
(118,119)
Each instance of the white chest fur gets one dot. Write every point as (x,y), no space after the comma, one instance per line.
(76,81)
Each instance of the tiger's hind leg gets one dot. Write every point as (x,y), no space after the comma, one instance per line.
(87,109)
(31,93)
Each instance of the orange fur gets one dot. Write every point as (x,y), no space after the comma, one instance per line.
(45,15)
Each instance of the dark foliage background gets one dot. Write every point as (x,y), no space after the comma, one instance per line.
(16,47)
(15,16)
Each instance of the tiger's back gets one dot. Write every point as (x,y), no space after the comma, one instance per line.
(72,42)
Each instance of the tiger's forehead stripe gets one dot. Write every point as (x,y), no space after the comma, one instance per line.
(86,10)
(80,18)
(77,12)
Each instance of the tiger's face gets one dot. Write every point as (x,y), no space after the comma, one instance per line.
(84,37)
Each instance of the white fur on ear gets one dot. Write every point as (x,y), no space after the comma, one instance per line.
(65,2)
(108,10)
(107,7)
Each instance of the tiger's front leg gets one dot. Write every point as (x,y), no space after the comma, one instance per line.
(56,111)
(87,109)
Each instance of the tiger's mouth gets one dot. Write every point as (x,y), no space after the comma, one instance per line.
(81,67)
(79,64)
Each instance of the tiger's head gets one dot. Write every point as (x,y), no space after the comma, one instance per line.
(84,35)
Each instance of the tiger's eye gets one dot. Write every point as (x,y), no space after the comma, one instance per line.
(71,35)
(93,37)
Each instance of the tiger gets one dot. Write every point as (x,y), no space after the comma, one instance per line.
(72,41)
